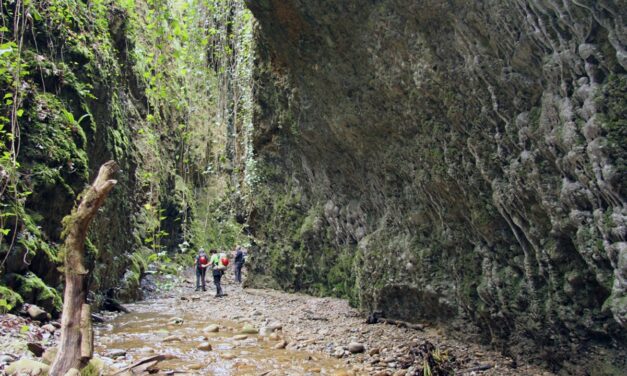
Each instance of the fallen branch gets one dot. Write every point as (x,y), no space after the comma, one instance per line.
(150,359)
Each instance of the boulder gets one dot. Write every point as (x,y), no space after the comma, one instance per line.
(37,313)
(27,367)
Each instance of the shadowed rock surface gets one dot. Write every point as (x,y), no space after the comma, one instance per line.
(453,161)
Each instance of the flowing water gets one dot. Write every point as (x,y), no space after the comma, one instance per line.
(148,330)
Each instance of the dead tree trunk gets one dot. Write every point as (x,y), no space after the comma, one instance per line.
(76,346)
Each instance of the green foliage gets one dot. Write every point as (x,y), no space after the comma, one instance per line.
(9,299)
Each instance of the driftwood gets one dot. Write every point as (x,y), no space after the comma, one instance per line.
(403,324)
(111,304)
(378,317)
(146,363)
(76,344)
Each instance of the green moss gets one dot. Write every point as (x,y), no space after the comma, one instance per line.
(33,289)
(9,299)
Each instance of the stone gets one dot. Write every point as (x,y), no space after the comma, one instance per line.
(196,366)
(240,337)
(172,339)
(115,353)
(274,326)
(213,328)
(249,329)
(49,328)
(27,367)
(281,345)
(356,347)
(176,321)
(36,348)
(274,337)
(374,351)
(37,313)
(228,356)
(205,346)
(49,355)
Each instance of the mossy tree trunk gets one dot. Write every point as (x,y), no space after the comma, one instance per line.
(76,345)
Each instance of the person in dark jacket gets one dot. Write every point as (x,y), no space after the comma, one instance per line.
(202,262)
(239,260)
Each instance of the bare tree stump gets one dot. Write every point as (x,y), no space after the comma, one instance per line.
(76,346)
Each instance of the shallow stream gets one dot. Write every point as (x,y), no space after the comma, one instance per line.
(149,330)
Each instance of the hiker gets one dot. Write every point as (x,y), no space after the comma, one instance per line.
(219,266)
(240,258)
(202,262)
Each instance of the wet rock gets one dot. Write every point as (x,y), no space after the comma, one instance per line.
(213,328)
(274,326)
(176,321)
(49,355)
(36,348)
(27,367)
(374,351)
(240,337)
(6,359)
(249,329)
(281,345)
(49,328)
(172,339)
(97,318)
(356,347)
(37,313)
(115,353)
(205,346)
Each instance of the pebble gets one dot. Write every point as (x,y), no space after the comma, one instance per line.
(249,329)
(176,321)
(36,348)
(196,366)
(228,356)
(240,337)
(115,353)
(205,346)
(213,328)
(281,345)
(172,339)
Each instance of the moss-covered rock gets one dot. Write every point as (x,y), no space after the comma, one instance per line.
(9,299)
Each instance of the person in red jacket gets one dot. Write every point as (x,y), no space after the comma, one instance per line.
(202,263)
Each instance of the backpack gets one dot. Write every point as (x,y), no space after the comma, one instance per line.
(203,260)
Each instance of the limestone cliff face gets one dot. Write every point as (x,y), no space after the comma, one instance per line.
(453,161)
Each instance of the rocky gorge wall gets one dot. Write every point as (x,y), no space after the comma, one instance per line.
(459,162)
(83,97)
